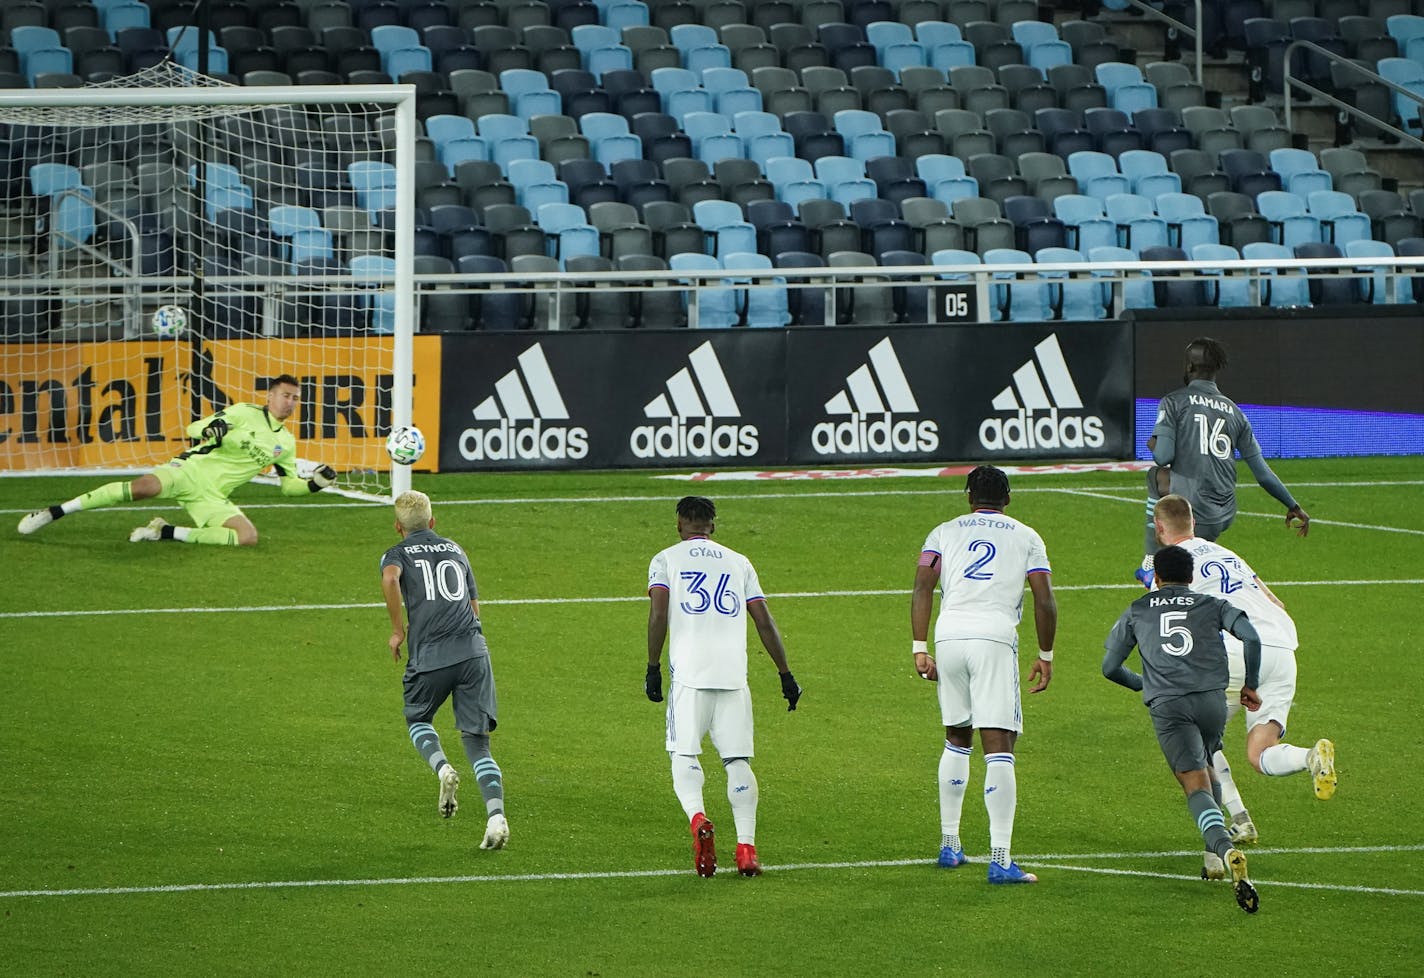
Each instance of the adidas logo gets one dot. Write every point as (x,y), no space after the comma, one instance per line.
(1043,384)
(875,392)
(695,398)
(516,418)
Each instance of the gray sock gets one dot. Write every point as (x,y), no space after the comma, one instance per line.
(487,772)
(427,741)
(1210,822)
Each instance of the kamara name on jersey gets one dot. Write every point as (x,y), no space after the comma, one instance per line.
(1201,400)
(1181,601)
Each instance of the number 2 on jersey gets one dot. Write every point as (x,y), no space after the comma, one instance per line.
(976,571)
(1218,570)
(722,599)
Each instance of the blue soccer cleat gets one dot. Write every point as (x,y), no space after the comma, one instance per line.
(950,857)
(1009,874)
(1144,577)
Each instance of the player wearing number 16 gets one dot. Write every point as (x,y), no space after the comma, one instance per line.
(701,593)
(448,657)
(980,561)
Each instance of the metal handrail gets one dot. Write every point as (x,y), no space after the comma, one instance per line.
(1187,29)
(1290,80)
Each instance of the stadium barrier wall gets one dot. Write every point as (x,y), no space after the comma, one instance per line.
(1314,383)
(846,395)
(62,405)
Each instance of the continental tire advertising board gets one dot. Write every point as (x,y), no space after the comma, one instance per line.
(598,400)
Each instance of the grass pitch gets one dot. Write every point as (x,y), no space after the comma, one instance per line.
(206,771)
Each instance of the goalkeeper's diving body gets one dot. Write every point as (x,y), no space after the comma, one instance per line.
(233,445)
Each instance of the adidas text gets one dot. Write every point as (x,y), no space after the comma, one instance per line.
(524,441)
(681,438)
(1027,430)
(882,434)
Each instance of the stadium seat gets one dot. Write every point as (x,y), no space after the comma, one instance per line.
(1277,287)
(1072,298)
(710,304)
(1134,292)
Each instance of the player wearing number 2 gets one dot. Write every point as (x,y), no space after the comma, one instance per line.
(701,593)
(448,657)
(1198,427)
(980,561)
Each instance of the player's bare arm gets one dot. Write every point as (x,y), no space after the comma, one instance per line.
(1045,620)
(770,637)
(390,590)
(657,635)
(921,603)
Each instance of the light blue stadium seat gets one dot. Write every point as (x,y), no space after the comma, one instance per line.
(1019,300)
(715,305)
(1188,223)
(1376,284)
(1136,289)
(569,233)
(1291,221)
(728,232)
(794,180)
(1300,171)
(529,93)
(1340,221)
(1277,287)
(1148,173)
(1138,224)
(766,301)
(1097,174)
(378,272)
(1075,299)
(1127,90)
(865,137)
(1229,290)
(845,179)
(945,178)
(1087,223)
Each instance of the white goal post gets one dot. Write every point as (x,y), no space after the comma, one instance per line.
(280,220)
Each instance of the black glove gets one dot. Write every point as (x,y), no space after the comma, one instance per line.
(790,690)
(653,683)
(324,476)
(215,430)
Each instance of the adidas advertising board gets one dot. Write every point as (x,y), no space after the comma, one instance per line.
(1041,409)
(524,419)
(875,412)
(695,417)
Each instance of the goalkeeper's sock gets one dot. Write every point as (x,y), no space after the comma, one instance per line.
(742,793)
(953,782)
(1284,759)
(427,741)
(220,536)
(1210,822)
(687,780)
(487,772)
(109,494)
(1230,796)
(1001,796)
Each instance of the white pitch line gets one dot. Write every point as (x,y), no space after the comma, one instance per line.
(1139,499)
(623,599)
(1265,884)
(1028,860)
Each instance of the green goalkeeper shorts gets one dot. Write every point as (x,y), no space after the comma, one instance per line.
(204,504)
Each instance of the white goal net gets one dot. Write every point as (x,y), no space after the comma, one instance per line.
(276,221)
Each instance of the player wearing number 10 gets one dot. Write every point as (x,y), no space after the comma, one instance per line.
(448,655)
(1198,427)
(980,561)
(702,593)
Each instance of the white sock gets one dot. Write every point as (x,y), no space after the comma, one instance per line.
(687,778)
(1283,759)
(1000,800)
(180,533)
(1231,801)
(742,793)
(953,782)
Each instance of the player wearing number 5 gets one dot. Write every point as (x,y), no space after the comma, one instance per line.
(701,593)
(1198,427)
(233,445)
(1177,633)
(980,561)
(448,657)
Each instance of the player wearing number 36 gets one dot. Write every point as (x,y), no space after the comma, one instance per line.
(701,593)
(447,657)
(980,561)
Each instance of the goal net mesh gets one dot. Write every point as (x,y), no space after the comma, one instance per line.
(270,227)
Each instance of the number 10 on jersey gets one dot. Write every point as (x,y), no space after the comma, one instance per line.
(722,599)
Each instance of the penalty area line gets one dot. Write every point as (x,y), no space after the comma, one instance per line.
(1045,861)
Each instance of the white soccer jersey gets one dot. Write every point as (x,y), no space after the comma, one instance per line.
(1223,574)
(709,586)
(983,558)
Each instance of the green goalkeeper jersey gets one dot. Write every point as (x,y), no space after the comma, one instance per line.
(254,442)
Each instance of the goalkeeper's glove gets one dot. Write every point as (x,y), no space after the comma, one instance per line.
(215,430)
(790,690)
(324,476)
(653,683)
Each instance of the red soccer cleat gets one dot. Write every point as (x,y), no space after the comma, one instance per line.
(747,862)
(704,846)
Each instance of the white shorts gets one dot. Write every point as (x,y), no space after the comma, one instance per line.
(724,713)
(1277,689)
(979,684)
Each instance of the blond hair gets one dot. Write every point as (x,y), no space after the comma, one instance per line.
(1174,512)
(413,510)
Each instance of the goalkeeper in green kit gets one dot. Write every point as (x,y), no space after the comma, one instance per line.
(233,445)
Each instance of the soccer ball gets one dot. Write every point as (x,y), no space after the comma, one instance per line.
(405,445)
(169,321)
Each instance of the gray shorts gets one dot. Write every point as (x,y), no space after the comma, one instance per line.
(470,683)
(1210,531)
(1189,728)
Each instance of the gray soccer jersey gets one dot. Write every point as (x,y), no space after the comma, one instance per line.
(1205,425)
(1178,636)
(437,586)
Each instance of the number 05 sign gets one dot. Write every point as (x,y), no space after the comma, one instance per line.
(954,304)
